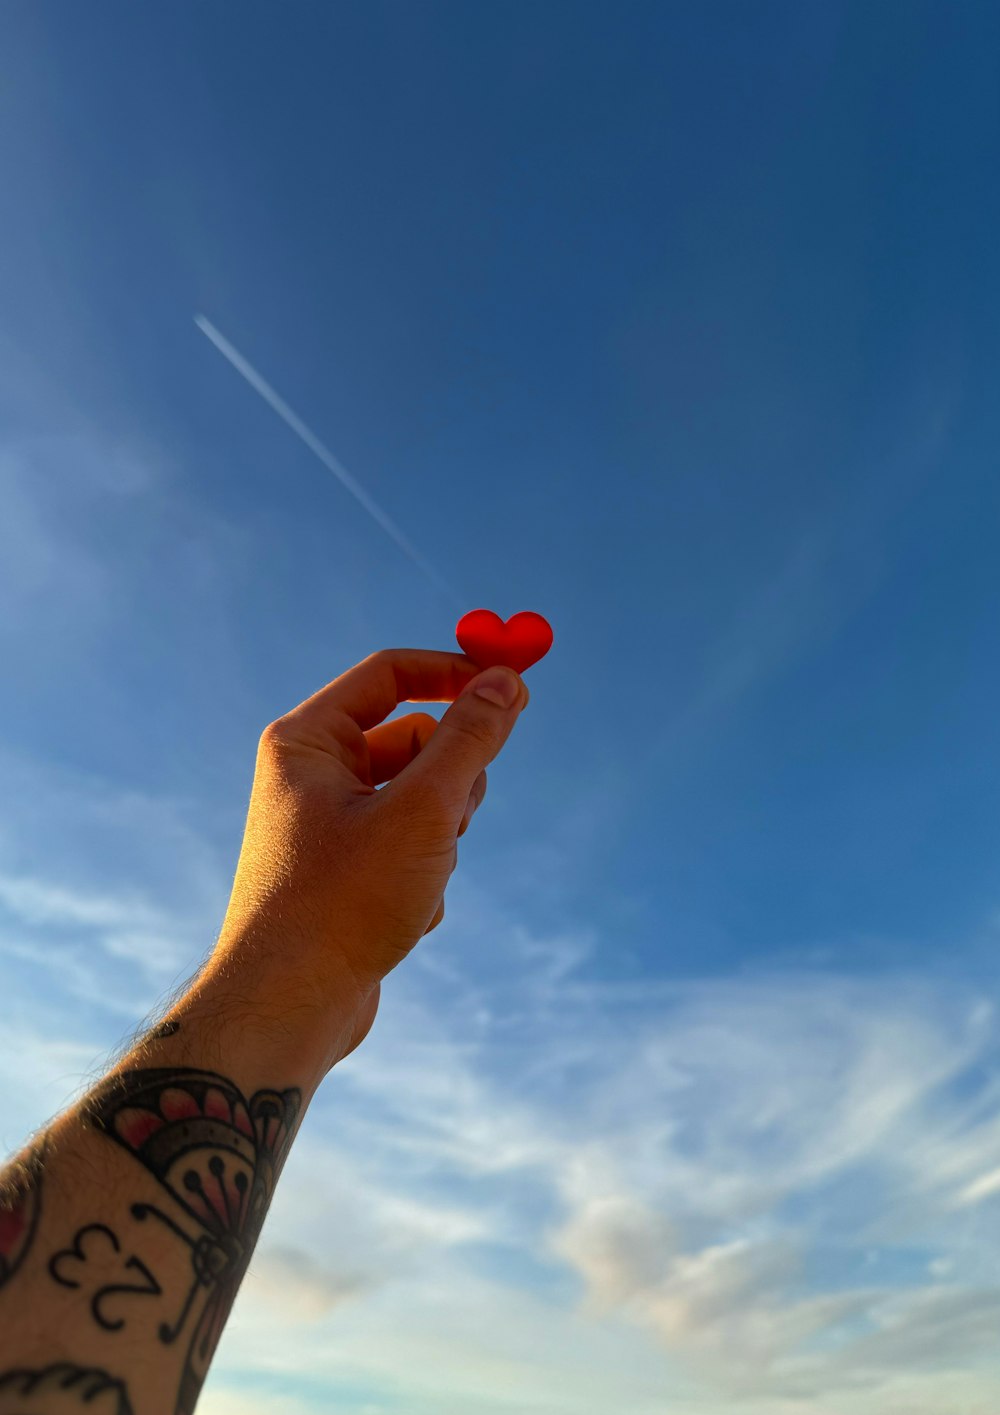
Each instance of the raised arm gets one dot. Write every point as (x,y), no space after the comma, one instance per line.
(127,1225)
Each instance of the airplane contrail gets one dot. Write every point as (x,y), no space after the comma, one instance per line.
(261,386)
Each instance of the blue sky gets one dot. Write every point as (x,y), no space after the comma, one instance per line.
(675,323)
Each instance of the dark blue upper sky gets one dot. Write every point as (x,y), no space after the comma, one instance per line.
(677,323)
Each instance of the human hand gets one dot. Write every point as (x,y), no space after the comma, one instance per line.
(337,879)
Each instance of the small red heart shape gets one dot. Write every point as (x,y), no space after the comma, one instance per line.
(487,640)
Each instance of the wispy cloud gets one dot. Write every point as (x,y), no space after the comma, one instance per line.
(690,1165)
(300,1286)
(719,1192)
(98,883)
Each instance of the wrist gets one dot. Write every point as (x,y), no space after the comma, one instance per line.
(262,1006)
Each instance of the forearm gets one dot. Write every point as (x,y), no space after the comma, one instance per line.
(130,1221)
(128,1227)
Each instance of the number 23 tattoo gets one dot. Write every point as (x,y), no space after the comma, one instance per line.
(96,1242)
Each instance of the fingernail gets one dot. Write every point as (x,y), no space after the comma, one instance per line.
(498,685)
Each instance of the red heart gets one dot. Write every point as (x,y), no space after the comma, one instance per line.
(486,639)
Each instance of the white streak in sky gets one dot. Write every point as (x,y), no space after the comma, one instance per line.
(261,386)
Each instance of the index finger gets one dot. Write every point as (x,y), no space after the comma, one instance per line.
(370,690)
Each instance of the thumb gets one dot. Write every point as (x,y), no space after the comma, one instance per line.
(469,735)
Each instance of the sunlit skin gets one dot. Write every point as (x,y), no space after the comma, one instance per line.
(355,873)
(126,1227)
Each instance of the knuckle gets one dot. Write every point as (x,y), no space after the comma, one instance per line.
(273,733)
(375,664)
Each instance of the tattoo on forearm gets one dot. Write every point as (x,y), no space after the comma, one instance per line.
(20,1205)
(62,1389)
(217,1155)
(96,1244)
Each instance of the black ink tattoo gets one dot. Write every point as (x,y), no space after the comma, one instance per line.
(20,1205)
(61,1390)
(217,1155)
(65,1268)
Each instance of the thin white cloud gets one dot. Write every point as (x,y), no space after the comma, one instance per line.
(722,1193)
(982,1188)
(698,1120)
(300,1287)
(216,1399)
(40,902)
(95,878)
